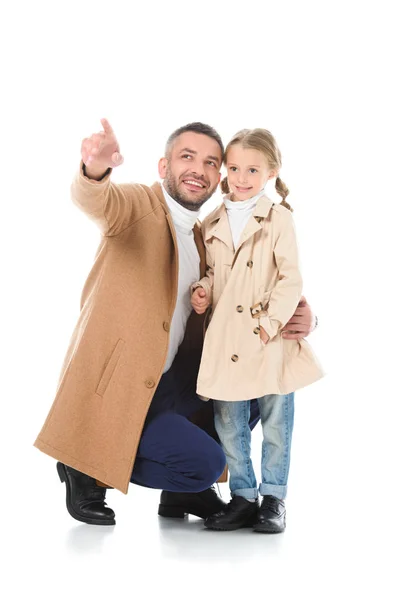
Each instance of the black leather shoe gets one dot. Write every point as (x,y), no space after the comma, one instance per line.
(85,499)
(237,514)
(271,516)
(179,504)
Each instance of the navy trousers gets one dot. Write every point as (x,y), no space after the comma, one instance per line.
(174,453)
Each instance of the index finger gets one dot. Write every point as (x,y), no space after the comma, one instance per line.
(107,127)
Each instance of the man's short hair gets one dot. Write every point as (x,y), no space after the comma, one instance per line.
(196,128)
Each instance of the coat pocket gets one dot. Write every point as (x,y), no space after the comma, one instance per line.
(110,368)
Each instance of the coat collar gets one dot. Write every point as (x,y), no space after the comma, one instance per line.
(219,225)
(157,189)
(263,207)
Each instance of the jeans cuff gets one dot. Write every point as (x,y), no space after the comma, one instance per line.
(268,489)
(248,493)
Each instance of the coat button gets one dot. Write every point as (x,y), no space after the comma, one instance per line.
(250,263)
(234,357)
(149,383)
(239,308)
(256,330)
(166,326)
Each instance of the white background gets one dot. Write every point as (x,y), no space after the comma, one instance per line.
(323,77)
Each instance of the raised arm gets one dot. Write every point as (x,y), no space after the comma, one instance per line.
(100,152)
(113,207)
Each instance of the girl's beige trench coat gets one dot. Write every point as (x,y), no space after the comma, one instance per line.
(119,346)
(259,284)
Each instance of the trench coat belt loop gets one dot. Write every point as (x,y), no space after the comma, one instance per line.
(258,310)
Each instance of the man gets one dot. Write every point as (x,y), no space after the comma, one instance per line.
(126,408)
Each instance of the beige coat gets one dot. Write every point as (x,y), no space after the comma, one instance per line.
(259,284)
(119,346)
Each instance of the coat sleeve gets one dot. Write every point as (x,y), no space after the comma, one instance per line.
(281,301)
(113,207)
(207,282)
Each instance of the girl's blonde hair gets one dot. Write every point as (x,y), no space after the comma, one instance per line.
(263,141)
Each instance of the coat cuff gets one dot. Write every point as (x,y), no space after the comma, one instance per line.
(86,179)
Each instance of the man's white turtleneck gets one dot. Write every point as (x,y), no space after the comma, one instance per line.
(189,272)
(239,213)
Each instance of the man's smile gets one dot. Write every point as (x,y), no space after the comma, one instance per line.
(193,185)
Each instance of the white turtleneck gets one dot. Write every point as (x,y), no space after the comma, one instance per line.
(239,213)
(189,272)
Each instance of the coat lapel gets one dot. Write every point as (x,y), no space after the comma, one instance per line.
(251,228)
(255,223)
(198,238)
(220,228)
(156,187)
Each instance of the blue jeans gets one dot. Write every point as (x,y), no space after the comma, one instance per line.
(232,425)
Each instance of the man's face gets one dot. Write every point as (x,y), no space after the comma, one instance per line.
(191,171)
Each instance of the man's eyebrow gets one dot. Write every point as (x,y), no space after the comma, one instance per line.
(188,150)
(218,160)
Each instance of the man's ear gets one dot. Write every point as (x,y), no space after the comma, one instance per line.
(162,167)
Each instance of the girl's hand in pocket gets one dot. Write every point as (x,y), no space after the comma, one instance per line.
(264,336)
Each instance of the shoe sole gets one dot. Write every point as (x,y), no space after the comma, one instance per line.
(258,528)
(231,527)
(214,528)
(63,478)
(177,512)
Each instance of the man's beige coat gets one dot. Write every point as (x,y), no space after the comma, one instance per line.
(119,346)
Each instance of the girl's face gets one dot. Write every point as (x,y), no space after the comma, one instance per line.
(248,172)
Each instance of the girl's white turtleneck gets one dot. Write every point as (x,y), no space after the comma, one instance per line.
(239,213)
(189,272)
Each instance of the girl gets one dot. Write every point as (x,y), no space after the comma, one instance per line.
(254,285)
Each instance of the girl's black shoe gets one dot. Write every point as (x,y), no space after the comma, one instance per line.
(271,516)
(237,514)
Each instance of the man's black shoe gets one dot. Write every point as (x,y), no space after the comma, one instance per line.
(271,516)
(178,504)
(85,499)
(238,513)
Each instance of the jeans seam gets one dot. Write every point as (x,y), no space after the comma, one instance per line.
(244,439)
(283,464)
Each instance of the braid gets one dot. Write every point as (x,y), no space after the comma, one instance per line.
(225,186)
(283,191)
